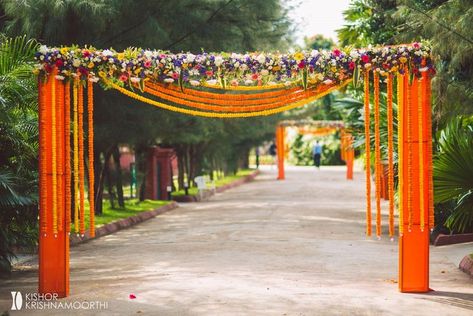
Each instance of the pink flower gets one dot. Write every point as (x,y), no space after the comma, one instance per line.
(365,58)
(175,75)
(147,64)
(123,78)
(351,65)
(301,65)
(132,296)
(416,45)
(337,52)
(254,76)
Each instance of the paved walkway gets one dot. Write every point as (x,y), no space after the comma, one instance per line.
(294,247)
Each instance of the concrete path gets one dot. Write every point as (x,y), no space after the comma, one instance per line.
(293,247)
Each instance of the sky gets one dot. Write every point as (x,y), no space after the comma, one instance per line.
(318,17)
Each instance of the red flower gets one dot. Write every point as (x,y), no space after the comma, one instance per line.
(301,65)
(351,65)
(86,53)
(209,73)
(254,76)
(365,58)
(123,77)
(175,75)
(131,296)
(59,63)
(416,45)
(385,66)
(147,64)
(337,52)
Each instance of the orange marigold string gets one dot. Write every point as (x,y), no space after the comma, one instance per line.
(90,138)
(377,153)
(367,151)
(400,125)
(67,145)
(81,161)
(76,155)
(409,154)
(390,153)
(60,152)
(427,100)
(54,153)
(43,99)
(420,120)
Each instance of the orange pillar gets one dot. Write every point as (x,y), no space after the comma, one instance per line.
(53,243)
(280,151)
(414,240)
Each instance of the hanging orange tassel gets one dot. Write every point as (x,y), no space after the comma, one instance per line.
(420,122)
(81,161)
(76,155)
(90,138)
(400,138)
(43,92)
(377,156)
(54,153)
(367,151)
(67,150)
(410,92)
(390,153)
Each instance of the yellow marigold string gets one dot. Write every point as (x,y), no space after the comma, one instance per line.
(76,156)
(400,146)
(67,145)
(367,151)
(420,120)
(220,115)
(377,153)
(409,155)
(390,153)
(81,161)
(54,154)
(90,138)
(43,101)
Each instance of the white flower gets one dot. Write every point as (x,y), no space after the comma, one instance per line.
(194,83)
(135,79)
(314,53)
(212,82)
(261,58)
(107,53)
(287,83)
(271,83)
(264,72)
(76,62)
(59,77)
(169,80)
(237,64)
(248,82)
(354,54)
(328,81)
(190,58)
(218,61)
(423,69)
(94,79)
(148,54)
(243,67)
(333,62)
(43,49)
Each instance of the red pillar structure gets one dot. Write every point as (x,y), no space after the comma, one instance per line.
(53,237)
(414,204)
(280,151)
(159,173)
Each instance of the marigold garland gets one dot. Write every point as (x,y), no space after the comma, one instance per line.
(43,99)
(60,152)
(81,161)
(67,150)
(90,138)
(229,108)
(390,153)
(76,155)
(367,151)
(410,178)
(54,155)
(400,137)
(427,99)
(220,115)
(420,114)
(377,153)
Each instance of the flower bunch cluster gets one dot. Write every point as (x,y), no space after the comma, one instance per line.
(305,68)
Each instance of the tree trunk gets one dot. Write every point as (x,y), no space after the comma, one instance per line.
(118,176)
(99,170)
(108,179)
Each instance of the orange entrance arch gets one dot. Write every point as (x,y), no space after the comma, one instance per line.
(231,86)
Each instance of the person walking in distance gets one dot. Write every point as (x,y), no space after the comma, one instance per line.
(317,154)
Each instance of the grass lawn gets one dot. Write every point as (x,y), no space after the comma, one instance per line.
(132,207)
(219,182)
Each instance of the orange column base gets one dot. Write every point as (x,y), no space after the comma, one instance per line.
(54,264)
(414,260)
(349,169)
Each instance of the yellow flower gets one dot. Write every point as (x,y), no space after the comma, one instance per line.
(91,65)
(394,69)
(333,69)
(276,68)
(137,70)
(298,56)
(184,66)
(120,56)
(403,59)
(64,51)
